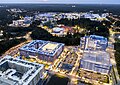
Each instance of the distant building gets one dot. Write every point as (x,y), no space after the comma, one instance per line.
(28,20)
(93,42)
(22,22)
(67,29)
(57,30)
(43,50)
(61,30)
(96,61)
(1,33)
(95,17)
(14,10)
(104,15)
(45,16)
(19,72)
(18,22)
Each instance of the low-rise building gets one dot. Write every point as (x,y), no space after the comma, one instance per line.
(56,31)
(15,71)
(22,22)
(95,17)
(43,50)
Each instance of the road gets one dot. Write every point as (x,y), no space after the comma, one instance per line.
(116,19)
(112,53)
(112,59)
(77,63)
(14,50)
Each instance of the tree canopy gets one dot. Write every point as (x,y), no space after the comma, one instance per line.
(92,27)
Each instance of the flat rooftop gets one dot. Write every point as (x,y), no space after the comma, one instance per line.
(17,72)
(94,42)
(96,37)
(42,47)
(98,57)
(49,47)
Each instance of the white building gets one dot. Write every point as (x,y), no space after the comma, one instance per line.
(1,33)
(96,61)
(93,42)
(95,17)
(22,22)
(19,72)
(58,31)
(43,50)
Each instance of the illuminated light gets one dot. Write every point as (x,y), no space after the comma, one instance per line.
(60,75)
(104,24)
(74,81)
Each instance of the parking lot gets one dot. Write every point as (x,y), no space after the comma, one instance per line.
(93,76)
(69,59)
(69,62)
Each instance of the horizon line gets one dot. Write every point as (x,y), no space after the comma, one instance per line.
(57,3)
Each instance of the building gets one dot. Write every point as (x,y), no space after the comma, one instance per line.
(19,72)
(1,33)
(96,61)
(61,30)
(67,29)
(18,22)
(93,42)
(95,17)
(43,50)
(57,30)
(22,22)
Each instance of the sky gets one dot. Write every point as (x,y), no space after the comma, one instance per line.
(64,1)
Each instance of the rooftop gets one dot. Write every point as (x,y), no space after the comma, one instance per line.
(96,37)
(15,71)
(98,57)
(42,47)
(57,29)
(49,47)
(94,42)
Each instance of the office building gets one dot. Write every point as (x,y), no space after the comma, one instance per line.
(93,42)
(96,61)
(43,50)
(15,71)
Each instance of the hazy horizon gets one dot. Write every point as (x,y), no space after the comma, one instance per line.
(60,2)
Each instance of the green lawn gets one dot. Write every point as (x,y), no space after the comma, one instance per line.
(58,80)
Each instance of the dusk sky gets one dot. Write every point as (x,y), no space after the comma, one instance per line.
(64,1)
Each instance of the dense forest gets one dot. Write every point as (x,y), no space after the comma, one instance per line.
(117,54)
(117,23)
(93,27)
(6,45)
(69,39)
(13,32)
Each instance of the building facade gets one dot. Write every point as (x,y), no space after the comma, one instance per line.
(19,72)
(43,50)
(96,61)
(93,42)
